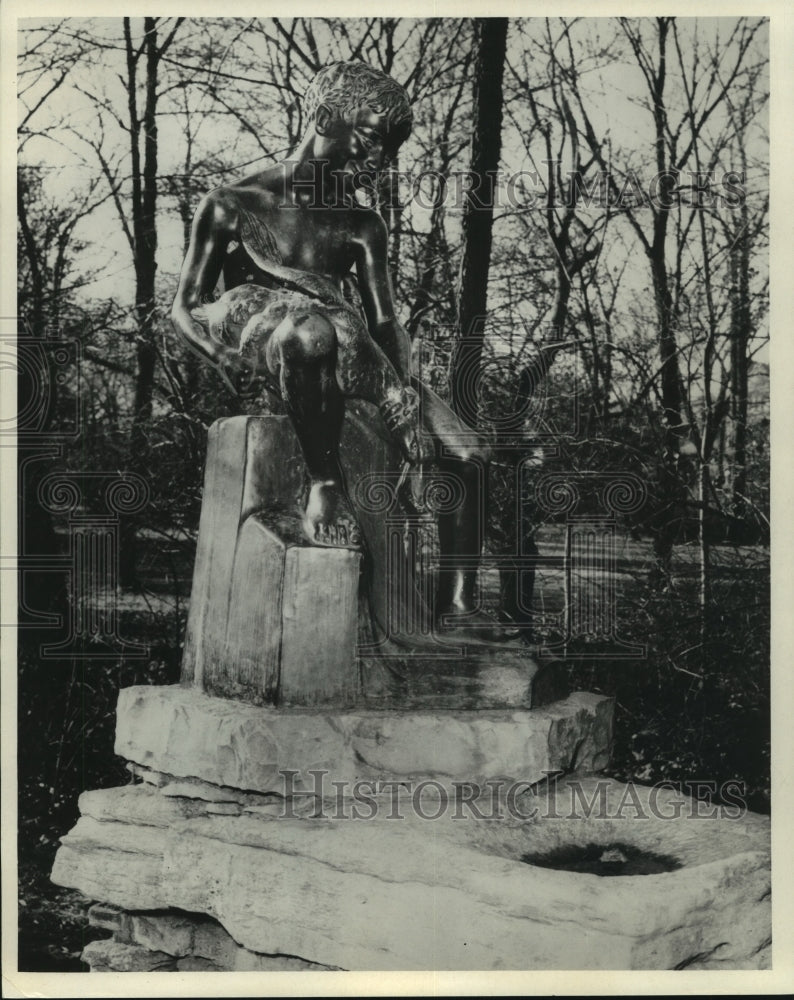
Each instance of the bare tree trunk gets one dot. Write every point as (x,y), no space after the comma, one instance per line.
(670,492)
(36,307)
(670,488)
(478,212)
(144,231)
(740,336)
(435,245)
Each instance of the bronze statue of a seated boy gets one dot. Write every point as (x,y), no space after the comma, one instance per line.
(286,241)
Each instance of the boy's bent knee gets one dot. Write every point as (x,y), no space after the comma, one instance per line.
(309,337)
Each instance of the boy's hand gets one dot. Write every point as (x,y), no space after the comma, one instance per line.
(237,373)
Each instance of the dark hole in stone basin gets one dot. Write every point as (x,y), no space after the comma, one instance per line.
(604,859)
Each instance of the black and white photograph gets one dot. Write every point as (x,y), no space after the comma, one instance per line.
(387,582)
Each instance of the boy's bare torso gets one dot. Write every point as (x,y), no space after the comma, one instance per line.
(325,240)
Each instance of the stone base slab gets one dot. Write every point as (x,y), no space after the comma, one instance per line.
(183,733)
(456,892)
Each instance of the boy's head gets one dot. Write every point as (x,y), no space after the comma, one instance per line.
(349,87)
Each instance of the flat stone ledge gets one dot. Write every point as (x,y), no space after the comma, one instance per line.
(184,733)
(420,894)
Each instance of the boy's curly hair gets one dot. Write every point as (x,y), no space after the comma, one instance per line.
(348,86)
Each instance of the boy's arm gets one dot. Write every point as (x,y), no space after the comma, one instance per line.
(214,224)
(377,296)
(200,271)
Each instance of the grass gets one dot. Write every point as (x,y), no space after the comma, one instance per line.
(53,922)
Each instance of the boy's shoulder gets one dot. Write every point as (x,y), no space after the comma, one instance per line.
(249,192)
(224,203)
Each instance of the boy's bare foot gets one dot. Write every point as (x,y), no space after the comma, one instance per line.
(329,521)
(474,626)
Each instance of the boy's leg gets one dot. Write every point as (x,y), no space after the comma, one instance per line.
(301,356)
(464,454)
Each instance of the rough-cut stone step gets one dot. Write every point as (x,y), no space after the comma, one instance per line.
(176,942)
(187,734)
(473,677)
(195,788)
(114,956)
(453,893)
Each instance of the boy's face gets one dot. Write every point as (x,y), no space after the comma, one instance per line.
(350,147)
